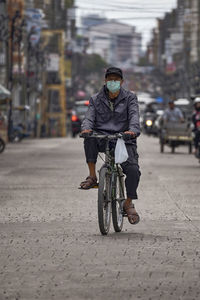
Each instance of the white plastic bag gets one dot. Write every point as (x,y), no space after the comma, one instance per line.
(121,154)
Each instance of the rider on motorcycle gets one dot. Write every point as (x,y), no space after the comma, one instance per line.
(196,123)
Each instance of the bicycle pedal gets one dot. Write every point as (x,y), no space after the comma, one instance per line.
(124,214)
(95,187)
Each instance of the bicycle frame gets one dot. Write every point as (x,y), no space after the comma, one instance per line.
(113,171)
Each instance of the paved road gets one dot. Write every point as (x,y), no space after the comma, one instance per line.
(50,243)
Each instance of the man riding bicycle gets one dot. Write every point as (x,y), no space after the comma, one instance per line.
(111,111)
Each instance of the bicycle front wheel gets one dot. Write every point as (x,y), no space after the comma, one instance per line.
(104,201)
(117,203)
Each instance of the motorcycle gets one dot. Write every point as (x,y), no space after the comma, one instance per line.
(18,133)
(149,123)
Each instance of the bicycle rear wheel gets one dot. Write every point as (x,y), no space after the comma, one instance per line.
(104,201)
(117,203)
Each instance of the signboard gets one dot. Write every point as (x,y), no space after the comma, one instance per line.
(36,15)
(53,62)
(170,67)
(34,21)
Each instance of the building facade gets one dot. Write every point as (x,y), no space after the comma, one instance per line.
(117,43)
(32,63)
(175,50)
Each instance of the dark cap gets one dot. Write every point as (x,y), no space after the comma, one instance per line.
(115,71)
(170,101)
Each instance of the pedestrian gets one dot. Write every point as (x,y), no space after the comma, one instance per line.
(112,110)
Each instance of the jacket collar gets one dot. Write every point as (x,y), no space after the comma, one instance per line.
(104,97)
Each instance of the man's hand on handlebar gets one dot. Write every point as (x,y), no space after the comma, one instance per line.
(128,135)
(86,133)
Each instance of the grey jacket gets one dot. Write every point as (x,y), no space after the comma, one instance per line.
(173,115)
(125,115)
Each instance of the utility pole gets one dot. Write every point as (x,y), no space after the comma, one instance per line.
(10,81)
(4,37)
(7,33)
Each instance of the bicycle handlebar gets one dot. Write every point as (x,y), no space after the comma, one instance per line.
(123,135)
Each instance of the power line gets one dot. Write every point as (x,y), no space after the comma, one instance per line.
(126,18)
(125,5)
(120,9)
(120,18)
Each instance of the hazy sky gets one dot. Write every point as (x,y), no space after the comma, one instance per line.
(140,13)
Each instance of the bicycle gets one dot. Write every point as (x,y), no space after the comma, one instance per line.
(111,191)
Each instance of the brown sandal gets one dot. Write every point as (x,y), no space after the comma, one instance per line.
(130,213)
(90,182)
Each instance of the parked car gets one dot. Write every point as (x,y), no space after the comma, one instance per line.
(77,116)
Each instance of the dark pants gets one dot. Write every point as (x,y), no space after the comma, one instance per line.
(196,139)
(130,167)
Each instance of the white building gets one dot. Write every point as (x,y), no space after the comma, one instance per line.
(119,44)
